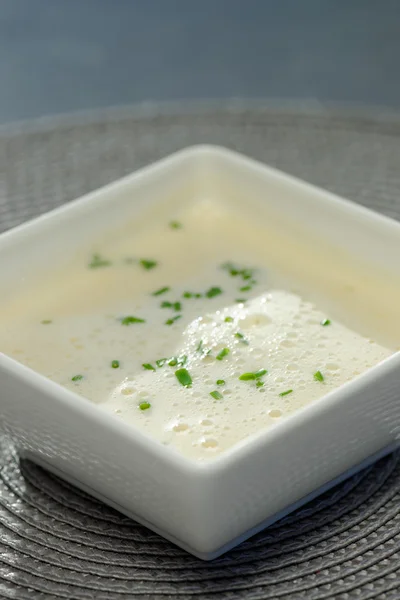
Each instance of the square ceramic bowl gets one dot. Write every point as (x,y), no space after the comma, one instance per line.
(206,508)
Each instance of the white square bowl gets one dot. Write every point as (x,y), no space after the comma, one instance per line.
(206,508)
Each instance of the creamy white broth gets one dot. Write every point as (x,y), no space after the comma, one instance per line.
(92,326)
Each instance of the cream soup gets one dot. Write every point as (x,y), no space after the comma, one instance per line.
(201,330)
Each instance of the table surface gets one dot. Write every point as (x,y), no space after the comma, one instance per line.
(59,56)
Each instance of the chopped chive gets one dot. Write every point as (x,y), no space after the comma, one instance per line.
(200,346)
(172,320)
(166,304)
(234,271)
(148,367)
(221,355)
(177,306)
(216,395)
(182,360)
(325,322)
(161,362)
(250,376)
(246,274)
(148,264)
(220,382)
(228,319)
(97,262)
(162,290)
(318,376)
(144,405)
(46,322)
(260,373)
(183,376)
(115,364)
(213,291)
(245,288)
(259,383)
(240,300)
(198,295)
(242,338)
(173,362)
(129,320)
(77,378)
(286,393)
(187,294)
(175,225)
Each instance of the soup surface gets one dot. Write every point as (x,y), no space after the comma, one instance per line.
(201,330)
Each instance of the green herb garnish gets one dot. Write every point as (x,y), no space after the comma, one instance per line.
(228,319)
(148,367)
(144,405)
(173,362)
(235,271)
(220,382)
(161,362)
(183,376)
(259,383)
(198,295)
(46,322)
(77,378)
(166,304)
(115,364)
(251,376)
(325,322)
(175,225)
(213,291)
(177,306)
(245,288)
(318,376)
(97,262)
(172,320)
(162,290)
(187,294)
(129,320)
(216,395)
(240,300)
(148,264)
(286,393)
(200,346)
(221,355)
(242,338)
(182,360)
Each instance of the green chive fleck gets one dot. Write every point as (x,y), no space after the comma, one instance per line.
(251,376)
(172,321)
(220,382)
(175,225)
(245,288)
(161,362)
(162,290)
(216,395)
(177,306)
(183,376)
(173,362)
(129,320)
(242,338)
(148,367)
(228,319)
(187,294)
(46,322)
(198,295)
(77,378)
(240,300)
(166,304)
(213,291)
(115,364)
(97,262)
(148,264)
(221,355)
(200,346)
(286,393)
(182,360)
(144,405)
(259,383)
(325,322)
(318,376)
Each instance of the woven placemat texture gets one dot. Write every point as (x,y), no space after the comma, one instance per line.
(57,542)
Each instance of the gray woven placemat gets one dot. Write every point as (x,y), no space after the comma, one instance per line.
(56,542)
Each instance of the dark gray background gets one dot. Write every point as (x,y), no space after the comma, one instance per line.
(59,56)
